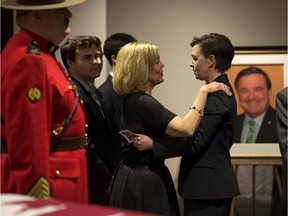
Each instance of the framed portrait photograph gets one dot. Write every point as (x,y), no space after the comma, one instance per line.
(271,61)
(257,163)
(274,62)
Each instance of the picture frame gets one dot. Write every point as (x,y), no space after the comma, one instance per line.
(272,61)
(260,50)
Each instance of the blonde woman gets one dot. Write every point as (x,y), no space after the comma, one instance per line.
(143,182)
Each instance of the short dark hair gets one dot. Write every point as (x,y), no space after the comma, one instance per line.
(218,45)
(69,47)
(253,70)
(114,43)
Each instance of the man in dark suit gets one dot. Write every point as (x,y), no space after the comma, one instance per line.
(82,57)
(266,132)
(111,100)
(253,87)
(281,117)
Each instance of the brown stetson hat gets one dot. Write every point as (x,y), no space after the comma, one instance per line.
(38,4)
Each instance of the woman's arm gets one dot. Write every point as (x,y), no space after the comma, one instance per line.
(186,126)
(170,147)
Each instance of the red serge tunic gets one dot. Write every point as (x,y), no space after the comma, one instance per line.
(36,96)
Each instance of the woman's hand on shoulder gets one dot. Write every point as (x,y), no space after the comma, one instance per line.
(216,86)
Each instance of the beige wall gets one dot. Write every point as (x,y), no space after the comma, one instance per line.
(172,24)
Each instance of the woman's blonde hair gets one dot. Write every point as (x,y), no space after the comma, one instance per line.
(134,63)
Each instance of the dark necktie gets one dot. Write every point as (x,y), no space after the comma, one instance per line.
(252,133)
(92,91)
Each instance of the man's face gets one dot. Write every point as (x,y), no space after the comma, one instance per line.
(254,97)
(88,64)
(56,24)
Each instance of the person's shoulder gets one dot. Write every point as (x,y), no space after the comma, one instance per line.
(238,122)
(140,98)
(218,96)
(282,93)
(148,101)
(240,116)
(105,86)
(22,54)
(143,96)
(20,47)
(78,84)
(270,110)
(33,48)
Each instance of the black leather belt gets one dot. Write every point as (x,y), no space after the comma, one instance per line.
(67,144)
(58,144)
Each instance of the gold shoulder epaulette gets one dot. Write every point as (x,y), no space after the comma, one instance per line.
(33,48)
(41,189)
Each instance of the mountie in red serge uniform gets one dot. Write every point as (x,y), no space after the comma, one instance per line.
(42,124)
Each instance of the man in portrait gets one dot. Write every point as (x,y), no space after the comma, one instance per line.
(256,125)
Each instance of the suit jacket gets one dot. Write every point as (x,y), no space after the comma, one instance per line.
(281,116)
(112,105)
(206,171)
(267,132)
(100,153)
